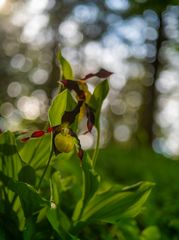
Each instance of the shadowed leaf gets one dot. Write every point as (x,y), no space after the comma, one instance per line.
(30,199)
(27,175)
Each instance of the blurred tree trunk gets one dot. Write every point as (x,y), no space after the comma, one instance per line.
(151,95)
(55,73)
(57,16)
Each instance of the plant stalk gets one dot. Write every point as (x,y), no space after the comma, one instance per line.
(96,151)
(45,170)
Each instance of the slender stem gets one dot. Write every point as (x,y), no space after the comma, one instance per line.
(14,199)
(5,195)
(96,151)
(45,170)
(35,151)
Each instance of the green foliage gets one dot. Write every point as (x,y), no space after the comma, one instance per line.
(163,208)
(90,186)
(97,99)
(151,233)
(35,152)
(11,161)
(62,102)
(95,103)
(27,174)
(115,203)
(66,70)
(30,199)
(50,200)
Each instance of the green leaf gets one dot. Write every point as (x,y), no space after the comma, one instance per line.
(65,67)
(30,229)
(68,164)
(30,199)
(9,222)
(62,102)
(54,221)
(27,175)
(55,188)
(116,203)
(90,178)
(10,161)
(151,233)
(59,185)
(90,185)
(58,218)
(97,99)
(59,223)
(36,152)
(128,229)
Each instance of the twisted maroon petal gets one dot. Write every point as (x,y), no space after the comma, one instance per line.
(102,73)
(90,117)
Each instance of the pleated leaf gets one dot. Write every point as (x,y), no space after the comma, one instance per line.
(30,199)
(90,186)
(116,203)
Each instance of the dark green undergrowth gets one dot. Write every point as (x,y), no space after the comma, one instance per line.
(130,165)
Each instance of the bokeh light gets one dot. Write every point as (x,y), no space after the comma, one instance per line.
(14,89)
(122,133)
(29,107)
(109,34)
(86,141)
(39,76)
(2,3)
(6,109)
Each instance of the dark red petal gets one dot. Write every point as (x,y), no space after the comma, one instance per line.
(50,129)
(74,85)
(89,125)
(65,82)
(24,139)
(81,95)
(90,75)
(38,133)
(80,153)
(90,117)
(71,115)
(101,74)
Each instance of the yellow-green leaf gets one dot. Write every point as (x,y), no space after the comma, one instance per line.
(65,67)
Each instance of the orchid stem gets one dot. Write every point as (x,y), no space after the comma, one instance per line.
(96,151)
(45,170)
